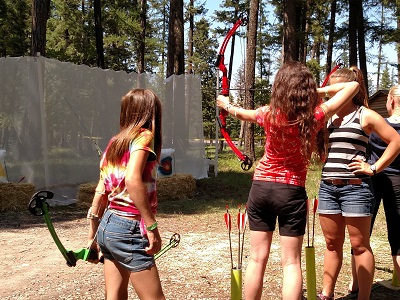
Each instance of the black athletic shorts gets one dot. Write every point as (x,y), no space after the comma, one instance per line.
(387,188)
(269,200)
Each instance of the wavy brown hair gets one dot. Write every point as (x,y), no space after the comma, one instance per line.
(140,108)
(294,95)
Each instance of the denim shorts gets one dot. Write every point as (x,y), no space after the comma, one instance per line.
(269,201)
(348,200)
(120,239)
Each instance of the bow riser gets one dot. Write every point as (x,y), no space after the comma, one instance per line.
(220,63)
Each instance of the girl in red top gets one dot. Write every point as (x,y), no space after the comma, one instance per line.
(291,123)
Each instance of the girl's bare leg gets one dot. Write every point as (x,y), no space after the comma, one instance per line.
(147,284)
(291,264)
(116,279)
(333,227)
(359,232)
(260,246)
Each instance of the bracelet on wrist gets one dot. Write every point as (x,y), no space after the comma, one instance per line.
(152,227)
(100,192)
(91,216)
(228,107)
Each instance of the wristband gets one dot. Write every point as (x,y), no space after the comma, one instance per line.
(91,216)
(100,192)
(152,227)
(228,107)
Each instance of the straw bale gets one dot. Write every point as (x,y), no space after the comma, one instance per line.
(176,187)
(86,192)
(15,196)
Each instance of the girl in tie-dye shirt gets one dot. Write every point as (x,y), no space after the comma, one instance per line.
(126,234)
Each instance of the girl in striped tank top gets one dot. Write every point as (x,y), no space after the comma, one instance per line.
(346,197)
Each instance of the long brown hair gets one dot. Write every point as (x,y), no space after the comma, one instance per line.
(360,99)
(140,108)
(353,74)
(294,95)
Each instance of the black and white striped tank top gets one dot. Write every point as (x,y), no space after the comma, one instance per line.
(345,143)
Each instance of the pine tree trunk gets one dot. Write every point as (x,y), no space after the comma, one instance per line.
(378,72)
(176,54)
(98,27)
(142,35)
(361,43)
(398,43)
(353,32)
(290,45)
(250,77)
(190,38)
(40,14)
(330,38)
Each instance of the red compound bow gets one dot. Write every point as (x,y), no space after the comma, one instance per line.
(246,161)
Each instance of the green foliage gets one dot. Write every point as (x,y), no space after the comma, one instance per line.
(15,20)
(60,153)
(203,60)
(386,82)
(70,36)
(315,68)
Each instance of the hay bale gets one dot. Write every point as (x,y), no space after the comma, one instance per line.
(176,187)
(86,192)
(15,196)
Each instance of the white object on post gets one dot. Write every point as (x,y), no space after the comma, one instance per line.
(166,167)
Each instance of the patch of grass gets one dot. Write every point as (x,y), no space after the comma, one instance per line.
(231,187)
(313,180)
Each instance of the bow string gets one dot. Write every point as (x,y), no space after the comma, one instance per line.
(220,64)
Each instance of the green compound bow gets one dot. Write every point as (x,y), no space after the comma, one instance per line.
(38,206)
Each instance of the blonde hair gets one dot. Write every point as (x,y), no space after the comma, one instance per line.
(395,91)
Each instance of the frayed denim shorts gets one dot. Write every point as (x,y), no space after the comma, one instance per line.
(348,200)
(120,239)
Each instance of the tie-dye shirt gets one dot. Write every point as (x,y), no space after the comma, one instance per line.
(114,177)
(283,162)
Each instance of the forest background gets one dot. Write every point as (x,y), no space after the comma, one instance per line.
(183,37)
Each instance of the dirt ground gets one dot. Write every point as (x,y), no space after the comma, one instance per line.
(31,266)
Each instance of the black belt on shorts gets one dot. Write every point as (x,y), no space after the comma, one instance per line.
(354,181)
